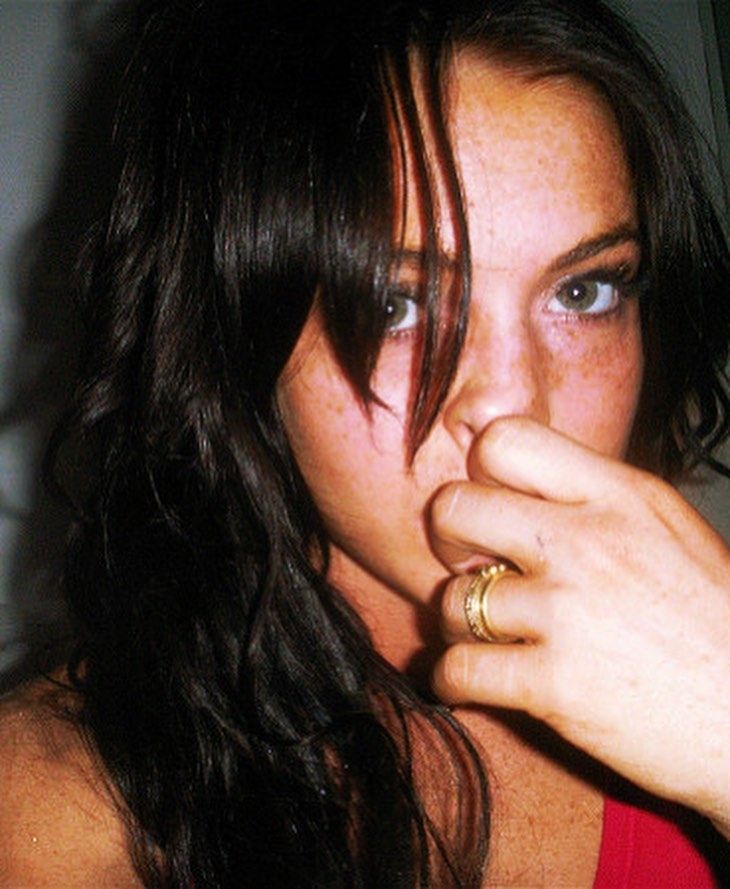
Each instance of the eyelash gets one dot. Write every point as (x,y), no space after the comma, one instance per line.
(402,293)
(621,277)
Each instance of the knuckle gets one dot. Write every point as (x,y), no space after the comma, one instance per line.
(452,606)
(636,485)
(661,496)
(496,434)
(641,495)
(500,436)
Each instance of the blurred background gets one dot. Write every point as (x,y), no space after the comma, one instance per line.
(60,63)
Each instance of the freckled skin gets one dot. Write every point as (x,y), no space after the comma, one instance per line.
(542,169)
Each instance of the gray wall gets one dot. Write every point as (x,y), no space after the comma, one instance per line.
(55,89)
(35,72)
(57,79)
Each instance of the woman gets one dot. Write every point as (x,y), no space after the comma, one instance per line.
(386,297)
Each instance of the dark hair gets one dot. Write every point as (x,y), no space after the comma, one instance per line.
(234,698)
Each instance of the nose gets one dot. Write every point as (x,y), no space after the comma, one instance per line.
(503,371)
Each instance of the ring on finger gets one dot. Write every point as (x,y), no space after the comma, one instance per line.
(476,604)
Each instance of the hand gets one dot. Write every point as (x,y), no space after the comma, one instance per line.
(624,604)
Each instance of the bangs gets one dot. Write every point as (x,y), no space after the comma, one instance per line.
(306,170)
(400,155)
(303,176)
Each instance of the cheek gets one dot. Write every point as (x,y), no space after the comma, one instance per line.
(395,376)
(594,383)
(343,454)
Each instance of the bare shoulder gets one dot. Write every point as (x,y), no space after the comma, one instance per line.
(58,823)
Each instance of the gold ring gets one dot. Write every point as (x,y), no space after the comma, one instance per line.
(476,604)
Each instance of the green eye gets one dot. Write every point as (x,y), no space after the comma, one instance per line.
(587,297)
(401,313)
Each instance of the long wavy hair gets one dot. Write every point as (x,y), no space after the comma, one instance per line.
(249,729)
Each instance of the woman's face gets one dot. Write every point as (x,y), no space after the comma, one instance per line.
(553,332)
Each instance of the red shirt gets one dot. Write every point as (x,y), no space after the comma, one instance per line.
(641,850)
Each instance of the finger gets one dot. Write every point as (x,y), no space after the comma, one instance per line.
(533,458)
(496,675)
(516,606)
(468,519)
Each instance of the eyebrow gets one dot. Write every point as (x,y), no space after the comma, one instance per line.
(591,247)
(585,249)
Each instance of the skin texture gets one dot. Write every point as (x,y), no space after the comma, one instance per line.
(628,642)
(623,599)
(543,173)
(59,823)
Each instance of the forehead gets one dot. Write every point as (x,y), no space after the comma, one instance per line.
(525,144)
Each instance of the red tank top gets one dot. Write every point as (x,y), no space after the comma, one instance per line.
(641,850)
